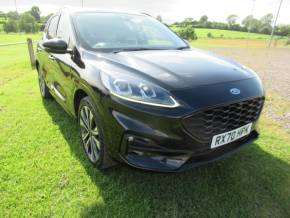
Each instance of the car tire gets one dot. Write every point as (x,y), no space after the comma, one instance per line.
(44,91)
(92,135)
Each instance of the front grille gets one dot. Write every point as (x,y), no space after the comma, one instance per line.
(205,124)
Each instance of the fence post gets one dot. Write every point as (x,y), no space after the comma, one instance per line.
(31,52)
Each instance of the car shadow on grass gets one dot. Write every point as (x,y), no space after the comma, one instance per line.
(250,183)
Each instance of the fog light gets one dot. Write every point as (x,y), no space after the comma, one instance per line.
(175,162)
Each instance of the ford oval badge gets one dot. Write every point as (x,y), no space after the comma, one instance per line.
(235,91)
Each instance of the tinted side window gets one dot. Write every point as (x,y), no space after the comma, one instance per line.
(63,30)
(51,33)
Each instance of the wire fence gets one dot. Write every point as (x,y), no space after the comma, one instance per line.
(16,43)
(31,52)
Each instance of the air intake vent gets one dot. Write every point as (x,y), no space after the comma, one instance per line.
(205,124)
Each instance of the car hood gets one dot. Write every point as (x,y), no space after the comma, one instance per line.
(178,69)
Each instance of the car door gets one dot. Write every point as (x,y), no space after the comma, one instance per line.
(41,53)
(62,83)
(46,58)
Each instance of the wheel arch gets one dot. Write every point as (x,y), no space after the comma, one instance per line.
(78,96)
(37,65)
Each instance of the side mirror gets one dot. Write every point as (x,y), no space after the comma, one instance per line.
(56,46)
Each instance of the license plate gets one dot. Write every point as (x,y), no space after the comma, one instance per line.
(230,136)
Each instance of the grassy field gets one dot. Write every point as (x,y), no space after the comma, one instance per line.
(18,37)
(44,173)
(233,39)
(237,43)
(227,34)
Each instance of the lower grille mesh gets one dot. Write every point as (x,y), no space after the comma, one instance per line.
(205,124)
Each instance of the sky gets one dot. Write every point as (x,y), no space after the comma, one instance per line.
(170,10)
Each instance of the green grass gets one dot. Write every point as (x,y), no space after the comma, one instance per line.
(44,172)
(233,39)
(17,37)
(227,34)
(14,59)
(202,33)
(236,43)
(14,62)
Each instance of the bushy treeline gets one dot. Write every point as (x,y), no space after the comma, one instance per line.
(29,22)
(187,33)
(248,24)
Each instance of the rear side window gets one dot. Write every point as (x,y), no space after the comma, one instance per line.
(51,33)
(63,30)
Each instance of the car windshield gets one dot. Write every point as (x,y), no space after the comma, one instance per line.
(119,31)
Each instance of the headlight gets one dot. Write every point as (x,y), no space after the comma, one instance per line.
(137,90)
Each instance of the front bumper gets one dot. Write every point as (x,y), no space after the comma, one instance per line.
(157,140)
(160,143)
(177,161)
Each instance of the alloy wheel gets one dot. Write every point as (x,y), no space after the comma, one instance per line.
(89,134)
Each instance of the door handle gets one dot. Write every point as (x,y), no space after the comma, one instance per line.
(51,57)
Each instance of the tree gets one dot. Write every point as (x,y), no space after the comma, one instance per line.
(247,21)
(232,19)
(219,25)
(2,14)
(203,21)
(255,26)
(11,26)
(236,27)
(44,19)
(188,21)
(35,12)
(159,18)
(187,33)
(267,19)
(209,35)
(27,23)
(13,15)
(266,24)
(283,30)
(251,24)
(288,41)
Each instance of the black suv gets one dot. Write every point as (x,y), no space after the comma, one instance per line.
(141,95)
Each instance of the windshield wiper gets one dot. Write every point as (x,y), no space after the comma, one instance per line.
(182,47)
(135,49)
(143,49)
